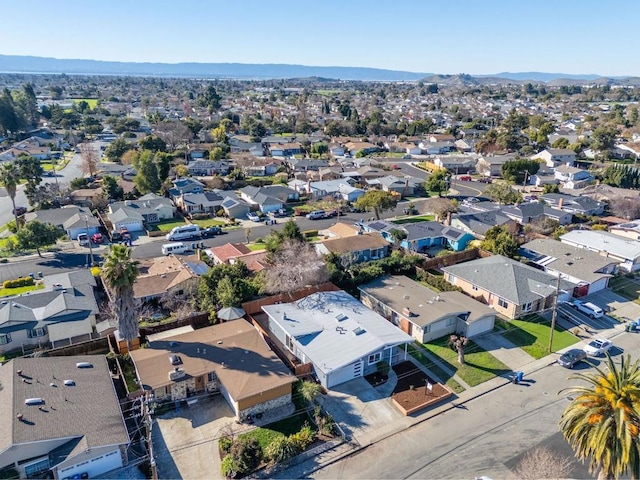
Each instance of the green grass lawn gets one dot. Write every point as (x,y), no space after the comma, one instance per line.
(416,352)
(5,292)
(267,434)
(210,222)
(256,246)
(327,92)
(479,366)
(167,225)
(91,101)
(532,335)
(625,288)
(419,218)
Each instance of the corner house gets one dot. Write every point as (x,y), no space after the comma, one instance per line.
(230,358)
(60,418)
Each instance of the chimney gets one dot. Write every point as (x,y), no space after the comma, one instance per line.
(447,222)
(406,311)
(560,203)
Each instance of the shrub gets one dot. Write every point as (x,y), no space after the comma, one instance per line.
(18,282)
(281,449)
(225,443)
(310,233)
(227,466)
(302,439)
(246,454)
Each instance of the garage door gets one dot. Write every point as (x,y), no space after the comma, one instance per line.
(480,326)
(95,466)
(131,226)
(345,374)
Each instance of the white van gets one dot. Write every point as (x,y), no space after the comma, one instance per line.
(316,215)
(180,233)
(174,248)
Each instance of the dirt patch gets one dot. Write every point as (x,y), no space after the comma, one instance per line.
(411,393)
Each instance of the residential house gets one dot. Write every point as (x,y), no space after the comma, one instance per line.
(72,219)
(437,148)
(338,335)
(543,178)
(133,214)
(256,261)
(441,137)
(261,168)
(403,186)
(628,229)
(341,230)
(233,206)
(587,270)
(510,287)
(307,164)
(185,185)
(341,188)
(491,165)
(61,418)
(358,248)
(466,145)
(288,149)
(166,276)
(524,213)
(554,157)
(572,177)
(88,197)
(224,253)
(456,163)
(577,205)
(365,148)
(336,150)
(231,358)
(621,249)
(208,168)
(422,236)
(424,313)
(63,312)
(478,223)
(269,198)
(200,203)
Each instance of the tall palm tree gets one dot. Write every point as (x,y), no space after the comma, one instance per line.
(603,421)
(9,179)
(119,273)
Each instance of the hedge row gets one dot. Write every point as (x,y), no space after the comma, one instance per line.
(18,282)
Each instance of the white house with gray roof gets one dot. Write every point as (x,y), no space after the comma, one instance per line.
(60,418)
(606,244)
(133,214)
(510,287)
(587,270)
(72,219)
(341,337)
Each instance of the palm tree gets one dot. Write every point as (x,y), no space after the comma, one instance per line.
(603,421)
(119,273)
(9,179)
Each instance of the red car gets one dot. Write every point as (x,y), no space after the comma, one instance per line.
(97,238)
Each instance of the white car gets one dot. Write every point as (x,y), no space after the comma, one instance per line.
(253,217)
(588,308)
(597,347)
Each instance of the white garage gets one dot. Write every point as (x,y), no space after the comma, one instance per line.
(480,326)
(92,467)
(344,374)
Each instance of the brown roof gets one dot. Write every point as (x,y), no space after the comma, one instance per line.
(355,243)
(255,261)
(159,275)
(341,230)
(234,350)
(230,250)
(89,409)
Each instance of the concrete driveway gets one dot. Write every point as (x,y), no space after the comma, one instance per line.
(362,411)
(186,441)
(616,304)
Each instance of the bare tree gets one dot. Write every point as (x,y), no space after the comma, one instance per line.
(627,208)
(90,158)
(174,133)
(296,265)
(459,343)
(543,463)
(440,207)
(181,306)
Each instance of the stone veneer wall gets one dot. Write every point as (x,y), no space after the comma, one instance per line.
(279,402)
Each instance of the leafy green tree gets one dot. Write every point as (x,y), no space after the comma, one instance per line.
(27,103)
(147,179)
(377,201)
(244,284)
(603,138)
(562,142)
(153,143)
(398,236)
(500,241)
(602,422)
(309,390)
(438,181)
(502,193)
(9,179)
(116,149)
(193,124)
(209,98)
(275,239)
(551,188)
(514,171)
(228,295)
(31,171)
(36,235)
(119,274)
(112,190)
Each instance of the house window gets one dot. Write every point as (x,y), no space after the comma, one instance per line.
(289,343)
(502,303)
(527,307)
(37,332)
(5,338)
(452,280)
(451,321)
(211,377)
(426,328)
(375,358)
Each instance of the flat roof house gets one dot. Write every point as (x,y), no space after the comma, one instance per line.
(337,334)
(231,358)
(511,288)
(607,244)
(60,418)
(424,313)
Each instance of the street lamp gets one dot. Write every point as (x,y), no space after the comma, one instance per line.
(86,224)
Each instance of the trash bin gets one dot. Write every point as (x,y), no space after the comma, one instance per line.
(32,275)
(193,246)
(40,275)
(519,376)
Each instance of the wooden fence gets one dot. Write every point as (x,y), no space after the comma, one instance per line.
(439,262)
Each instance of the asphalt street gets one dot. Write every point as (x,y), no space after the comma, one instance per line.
(485,436)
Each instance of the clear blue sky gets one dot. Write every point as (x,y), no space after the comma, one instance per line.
(463,36)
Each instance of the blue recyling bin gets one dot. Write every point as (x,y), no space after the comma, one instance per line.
(519,376)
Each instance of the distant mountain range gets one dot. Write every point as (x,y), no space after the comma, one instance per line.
(41,65)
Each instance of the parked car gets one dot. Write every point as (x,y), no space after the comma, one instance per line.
(97,238)
(211,231)
(598,347)
(588,308)
(485,180)
(570,358)
(19,211)
(316,215)
(116,236)
(124,232)
(465,178)
(83,239)
(253,217)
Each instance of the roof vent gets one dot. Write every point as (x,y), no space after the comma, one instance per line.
(341,317)
(406,296)
(52,385)
(219,342)
(34,401)
(69,383)
(175,360)
(84,365)
(20,416)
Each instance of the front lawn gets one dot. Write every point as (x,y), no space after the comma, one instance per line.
(480,366)
(256,246)
(168,225)
(532,335)
(282,428)
(626,288)
(419,218)
(416,352)
(91,101)
(210,222)
(5,292)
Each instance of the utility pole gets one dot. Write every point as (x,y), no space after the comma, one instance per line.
(86,224)
(554,312)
